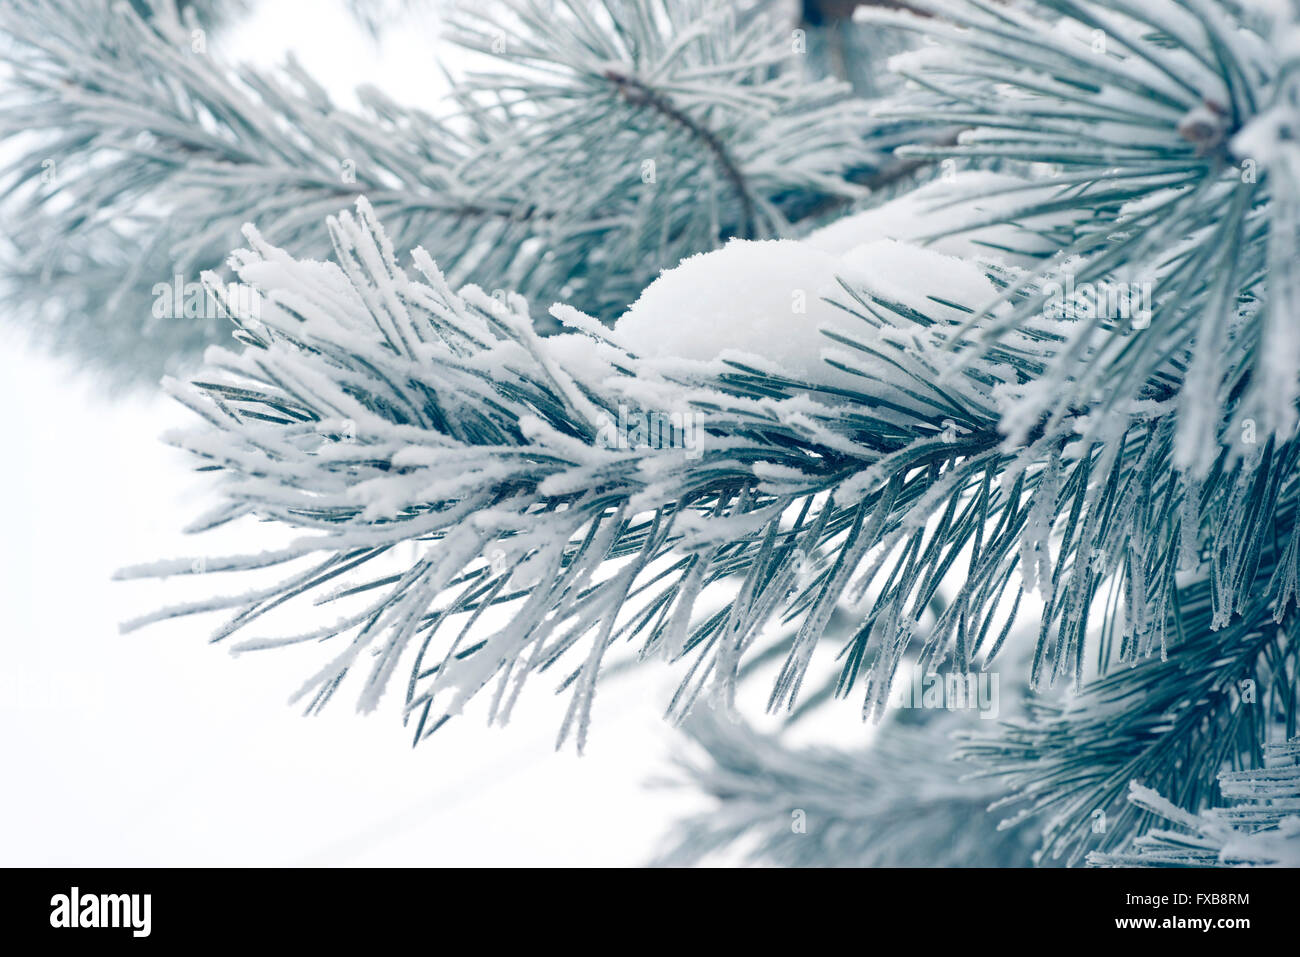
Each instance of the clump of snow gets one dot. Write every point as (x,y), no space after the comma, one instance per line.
(762,297)
(770,302)
(914,276)
(767,298)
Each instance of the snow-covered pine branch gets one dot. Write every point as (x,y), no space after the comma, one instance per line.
(1173,722)
(1261,828)
(895,803)
(898,801)
(1168,123)
(811,482)
(466,432)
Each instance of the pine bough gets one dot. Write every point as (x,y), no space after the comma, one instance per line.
(1137,477)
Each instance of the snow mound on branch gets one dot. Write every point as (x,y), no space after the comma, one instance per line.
(759,297)
(768,298)
(766,302)
(918,277)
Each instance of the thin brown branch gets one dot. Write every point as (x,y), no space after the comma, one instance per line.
(638,93)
